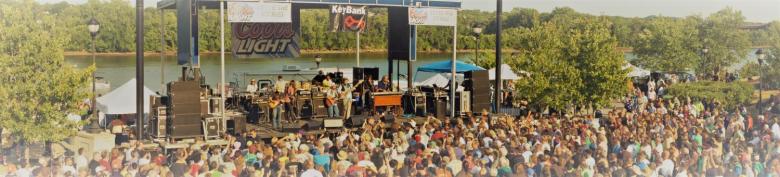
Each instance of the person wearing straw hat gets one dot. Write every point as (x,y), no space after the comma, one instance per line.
(252,87)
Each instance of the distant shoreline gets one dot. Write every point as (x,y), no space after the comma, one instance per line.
(307,52)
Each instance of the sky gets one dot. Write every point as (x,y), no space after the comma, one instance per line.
(753,10)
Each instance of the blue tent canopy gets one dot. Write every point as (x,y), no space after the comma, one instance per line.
(446,67)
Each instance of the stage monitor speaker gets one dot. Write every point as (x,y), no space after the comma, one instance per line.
(388,118)
(356,121)
(441,109)
(333,123)
(294,127)
(236,125)
(314,124)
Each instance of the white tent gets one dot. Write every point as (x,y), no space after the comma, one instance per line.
(506,73)
(441,80)
(122,100)
(636,71)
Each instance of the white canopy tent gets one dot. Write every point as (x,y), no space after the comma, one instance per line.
(441,80)
(636,71)
(506,73)
(122,100)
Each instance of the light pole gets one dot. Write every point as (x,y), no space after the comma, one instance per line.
(497,91)
(704,56)
(477,33)
(760,55)
(93,26)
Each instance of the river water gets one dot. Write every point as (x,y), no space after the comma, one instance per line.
(119,69)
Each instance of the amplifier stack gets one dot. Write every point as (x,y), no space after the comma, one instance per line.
(478,82)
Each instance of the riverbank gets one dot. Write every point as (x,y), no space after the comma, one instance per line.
(304,52)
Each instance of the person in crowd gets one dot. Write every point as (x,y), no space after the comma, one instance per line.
(681,137)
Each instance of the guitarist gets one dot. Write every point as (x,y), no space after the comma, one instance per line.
(276,107)
(331,94)
(346,94)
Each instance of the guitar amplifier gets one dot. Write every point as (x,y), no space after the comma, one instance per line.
(306,108)
(318,105)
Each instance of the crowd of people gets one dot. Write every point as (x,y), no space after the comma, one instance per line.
(650,136)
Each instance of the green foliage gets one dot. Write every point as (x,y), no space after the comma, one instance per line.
(484,59)
(750,70)
(731,95)
(569,64)
(726,42)
(39,88)
(668,45)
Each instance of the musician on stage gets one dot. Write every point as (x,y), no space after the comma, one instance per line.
(276,114)
(346,90)
(331,96)
(290,103)
(385,85)
(367,88)
(318,78)
(328,82)
(252,87)
(279,84)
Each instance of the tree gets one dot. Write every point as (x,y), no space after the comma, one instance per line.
(39,89)
(575,63)
(599,61)
(726,42)
(554,80)
(668,45)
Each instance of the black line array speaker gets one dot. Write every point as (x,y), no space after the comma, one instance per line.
(440,109)
(185,109)
(478,82)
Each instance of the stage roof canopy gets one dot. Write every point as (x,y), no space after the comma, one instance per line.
(214,4)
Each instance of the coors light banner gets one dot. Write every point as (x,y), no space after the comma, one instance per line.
(348,18)
(265,40)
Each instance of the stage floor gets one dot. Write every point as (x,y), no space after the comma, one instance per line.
(265,130)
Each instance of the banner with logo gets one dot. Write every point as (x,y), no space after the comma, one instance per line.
(347,18)
(265,40)
(259,12)
(433,16)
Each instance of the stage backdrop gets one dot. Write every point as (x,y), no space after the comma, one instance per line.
(265,40)
(262,30)
(348,18)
